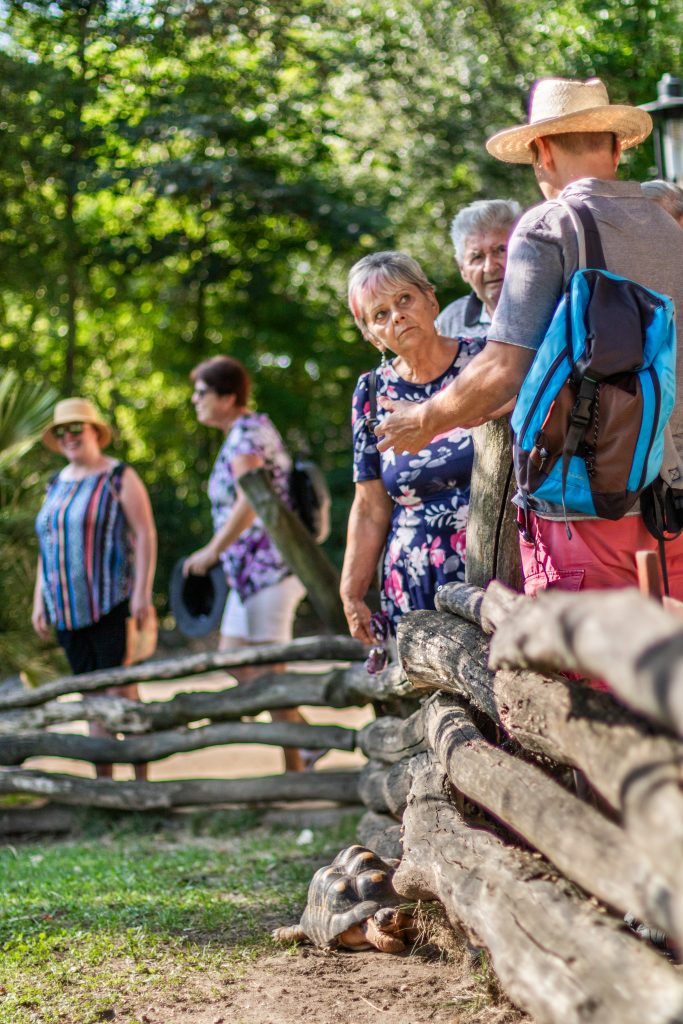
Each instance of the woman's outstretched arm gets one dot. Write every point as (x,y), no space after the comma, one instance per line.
(369,521)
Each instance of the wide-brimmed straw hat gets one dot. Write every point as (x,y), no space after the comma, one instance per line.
(76,410)
(564,105)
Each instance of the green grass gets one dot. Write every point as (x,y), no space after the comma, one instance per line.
(142,904)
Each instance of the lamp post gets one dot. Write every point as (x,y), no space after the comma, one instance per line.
(667,114)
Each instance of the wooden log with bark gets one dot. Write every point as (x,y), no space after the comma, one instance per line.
(338,786)
(385,789)
(296,545)
(638,774)
(391,739)
(461,599)
(335,688)
(556,955)
(382,834)
(492,544)
(15,750)
(553,716)
(25,821)
(572,834)
(326,648)
(619,636)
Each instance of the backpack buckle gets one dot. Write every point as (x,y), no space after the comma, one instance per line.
(583,406)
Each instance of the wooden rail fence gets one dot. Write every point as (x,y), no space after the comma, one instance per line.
(537,810)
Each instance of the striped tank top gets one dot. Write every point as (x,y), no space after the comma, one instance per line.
(85,548)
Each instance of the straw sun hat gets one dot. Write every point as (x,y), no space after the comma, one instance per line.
(564,105)
(76,410)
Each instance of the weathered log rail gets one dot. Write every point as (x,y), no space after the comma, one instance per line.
(141,732)
(477,790)
(493,825)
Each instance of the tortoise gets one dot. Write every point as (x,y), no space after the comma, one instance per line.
(352,904)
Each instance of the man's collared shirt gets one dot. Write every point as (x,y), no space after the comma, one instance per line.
(464,318)
(639,239)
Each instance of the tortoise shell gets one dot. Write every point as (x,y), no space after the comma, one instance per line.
(349,890)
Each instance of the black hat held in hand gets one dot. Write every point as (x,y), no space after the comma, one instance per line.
(197,602)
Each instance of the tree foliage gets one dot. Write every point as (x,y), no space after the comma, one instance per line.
(187,178)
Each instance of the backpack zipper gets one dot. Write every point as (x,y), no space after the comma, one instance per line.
(539,395)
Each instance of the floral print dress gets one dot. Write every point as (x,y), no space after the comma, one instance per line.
(430,490)
(252,562)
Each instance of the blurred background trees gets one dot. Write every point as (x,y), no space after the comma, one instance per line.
(186,178)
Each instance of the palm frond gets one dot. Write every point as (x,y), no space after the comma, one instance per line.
(25,409)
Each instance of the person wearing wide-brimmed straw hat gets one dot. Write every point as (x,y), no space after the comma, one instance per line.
(573,140)
(97,544)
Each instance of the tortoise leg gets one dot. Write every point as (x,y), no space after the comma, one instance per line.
(294,933)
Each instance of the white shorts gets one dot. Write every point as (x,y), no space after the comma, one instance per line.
(265,617)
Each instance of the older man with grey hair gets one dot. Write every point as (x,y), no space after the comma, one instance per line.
(480,234)
(573,141)
(668,195)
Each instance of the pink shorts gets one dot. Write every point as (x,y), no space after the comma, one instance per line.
(601,555)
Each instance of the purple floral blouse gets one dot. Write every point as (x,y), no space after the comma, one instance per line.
(252,562)
(430,490)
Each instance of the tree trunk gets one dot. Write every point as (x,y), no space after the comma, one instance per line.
(303,556)
(492,544)
(574,836)
(438,651)
(555,954)
(461,599)
(342,787)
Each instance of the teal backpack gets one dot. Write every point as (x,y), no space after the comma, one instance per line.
(588,424)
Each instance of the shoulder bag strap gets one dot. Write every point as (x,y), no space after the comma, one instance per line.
(372,396)
(588,237)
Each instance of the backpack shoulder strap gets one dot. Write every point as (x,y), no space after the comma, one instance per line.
(372,396)
(590,247)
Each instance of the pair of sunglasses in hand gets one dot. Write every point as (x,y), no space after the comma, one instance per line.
(379,655)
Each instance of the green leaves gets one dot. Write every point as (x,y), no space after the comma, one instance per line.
(25,411)
(180,180)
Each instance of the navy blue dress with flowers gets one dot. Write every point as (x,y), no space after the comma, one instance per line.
(430,490)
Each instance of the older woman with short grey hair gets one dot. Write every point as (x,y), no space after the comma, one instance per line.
(408,510)
(480,234)
(668,195)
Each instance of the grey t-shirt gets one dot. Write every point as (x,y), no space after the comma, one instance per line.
(464,318)
(639,239)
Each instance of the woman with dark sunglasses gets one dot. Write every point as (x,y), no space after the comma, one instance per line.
(264,593)
(97,544)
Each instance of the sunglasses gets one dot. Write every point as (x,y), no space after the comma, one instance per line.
(201,391)
(68,428)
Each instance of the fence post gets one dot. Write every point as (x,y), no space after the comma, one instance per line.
(297,547)
(492,545)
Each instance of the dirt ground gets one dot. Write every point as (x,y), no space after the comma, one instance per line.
(317,987)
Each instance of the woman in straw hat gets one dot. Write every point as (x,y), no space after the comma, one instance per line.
(97,544)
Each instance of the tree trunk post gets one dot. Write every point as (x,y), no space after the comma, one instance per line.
(492,545)
(297,547)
